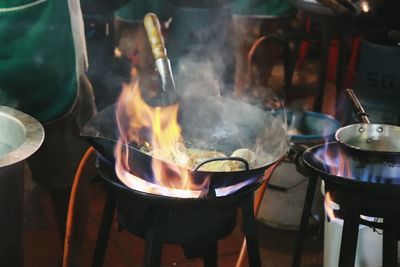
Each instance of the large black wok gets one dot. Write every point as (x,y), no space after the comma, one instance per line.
(336,164)
(209,123)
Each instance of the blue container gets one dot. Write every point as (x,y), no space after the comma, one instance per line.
(313,127)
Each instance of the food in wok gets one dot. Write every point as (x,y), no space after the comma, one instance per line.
(191,157)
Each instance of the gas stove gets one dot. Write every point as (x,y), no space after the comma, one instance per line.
(361,184)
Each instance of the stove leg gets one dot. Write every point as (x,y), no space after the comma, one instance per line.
(249,230)
(105,227)
(312,183)
(211,257)
(351,222)
(154,242)
(389,252)
(207,251)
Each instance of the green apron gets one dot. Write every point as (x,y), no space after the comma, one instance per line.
(37,58)
(262,8)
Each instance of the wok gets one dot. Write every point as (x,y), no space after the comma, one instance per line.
(208,123)
(366,136)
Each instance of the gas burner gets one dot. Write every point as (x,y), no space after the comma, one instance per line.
(196,223)
(332,160)
(361,184)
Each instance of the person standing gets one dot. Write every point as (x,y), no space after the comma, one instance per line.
(42,73)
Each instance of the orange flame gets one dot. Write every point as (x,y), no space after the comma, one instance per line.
(140,123)
(328,203)
(337,163)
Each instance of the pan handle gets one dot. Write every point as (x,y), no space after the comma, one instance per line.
(246,164)
(359,111)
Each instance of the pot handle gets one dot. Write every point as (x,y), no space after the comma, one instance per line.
(153,29)
(359,111)
(296,154)
(163,65)
(245,163)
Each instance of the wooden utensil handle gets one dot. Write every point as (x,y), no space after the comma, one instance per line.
(358,109)
(153,29)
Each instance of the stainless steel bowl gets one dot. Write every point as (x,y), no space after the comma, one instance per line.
(370,137)
(20,136)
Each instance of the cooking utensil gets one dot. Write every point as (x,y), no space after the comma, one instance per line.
(208,123)
(163,65)
(366,136)
(359,111)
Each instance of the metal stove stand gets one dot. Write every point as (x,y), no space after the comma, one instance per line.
(155,224)
(370,200)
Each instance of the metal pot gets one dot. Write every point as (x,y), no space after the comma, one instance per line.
(366,136)
(20,136)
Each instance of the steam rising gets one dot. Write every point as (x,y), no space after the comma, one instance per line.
(203,72)
(223,124)
(198,78)
(201,49)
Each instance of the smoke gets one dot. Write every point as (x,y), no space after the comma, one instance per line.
(204,70)
(202,58)
(198,78)
(199,44)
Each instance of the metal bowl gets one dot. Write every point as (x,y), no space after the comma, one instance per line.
(20,136)
(375,138)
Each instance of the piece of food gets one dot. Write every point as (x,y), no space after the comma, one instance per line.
(191,157)
(199,156)
(177,155)
(245,154)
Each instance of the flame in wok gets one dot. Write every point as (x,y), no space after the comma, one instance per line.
(337,162)
(143,124)
(157,132)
